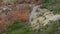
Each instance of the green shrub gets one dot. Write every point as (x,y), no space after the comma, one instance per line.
(18,28)
(52,5)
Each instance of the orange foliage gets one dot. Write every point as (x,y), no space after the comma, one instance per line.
(20,14)
(1,23)
(25,16)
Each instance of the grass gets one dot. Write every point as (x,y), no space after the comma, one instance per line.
(18,28)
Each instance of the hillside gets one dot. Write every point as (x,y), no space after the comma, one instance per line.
(29,16)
